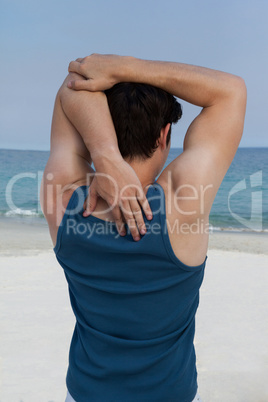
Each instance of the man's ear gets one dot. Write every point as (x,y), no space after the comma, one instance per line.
(162,141)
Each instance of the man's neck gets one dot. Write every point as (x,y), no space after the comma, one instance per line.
(145,170)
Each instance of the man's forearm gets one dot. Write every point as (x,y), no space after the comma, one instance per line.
(197,85)
(90,115)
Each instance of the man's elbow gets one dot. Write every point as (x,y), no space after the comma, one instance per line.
(64,90)
(239,89)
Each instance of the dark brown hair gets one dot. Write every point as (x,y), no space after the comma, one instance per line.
(139,112)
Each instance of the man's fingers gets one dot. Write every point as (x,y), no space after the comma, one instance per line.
(146,207)
(137,213)
(130,220)
(75,67)
(80,85)
(119,221)
(91,202)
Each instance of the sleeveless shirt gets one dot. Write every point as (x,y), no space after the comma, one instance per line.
(135,306)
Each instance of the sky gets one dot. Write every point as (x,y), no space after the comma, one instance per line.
(39,39)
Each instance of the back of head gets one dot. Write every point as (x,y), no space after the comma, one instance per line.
(139,112)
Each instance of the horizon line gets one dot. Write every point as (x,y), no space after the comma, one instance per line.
(47,150)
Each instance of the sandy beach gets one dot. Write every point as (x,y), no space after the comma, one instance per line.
(37,322)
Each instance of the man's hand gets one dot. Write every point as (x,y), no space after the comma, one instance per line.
(101,72)
(117,183)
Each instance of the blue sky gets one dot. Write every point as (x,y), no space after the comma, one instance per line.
(38,39)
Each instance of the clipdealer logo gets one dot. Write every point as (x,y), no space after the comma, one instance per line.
(255,220)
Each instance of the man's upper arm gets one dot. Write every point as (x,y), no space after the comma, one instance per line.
(68,164)
(210,145)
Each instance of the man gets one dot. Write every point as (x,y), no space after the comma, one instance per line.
(135,296)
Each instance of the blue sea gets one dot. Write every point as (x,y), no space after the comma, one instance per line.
(240,205)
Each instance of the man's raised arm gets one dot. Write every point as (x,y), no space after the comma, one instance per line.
(82,131)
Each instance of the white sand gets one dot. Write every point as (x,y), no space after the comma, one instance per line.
(36,321)
(36,327)
(232,328)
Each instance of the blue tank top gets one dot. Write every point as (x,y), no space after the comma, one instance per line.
(135,305)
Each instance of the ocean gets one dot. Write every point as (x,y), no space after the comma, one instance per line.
(240,205)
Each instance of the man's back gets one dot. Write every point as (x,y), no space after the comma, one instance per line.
(135,305)
(188,237)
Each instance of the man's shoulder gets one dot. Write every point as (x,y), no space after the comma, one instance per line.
(187,223)
(189,184)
